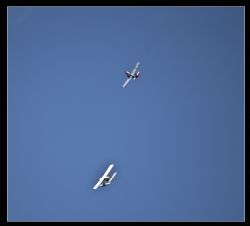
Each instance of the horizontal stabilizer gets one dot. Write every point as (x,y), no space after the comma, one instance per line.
(113,176)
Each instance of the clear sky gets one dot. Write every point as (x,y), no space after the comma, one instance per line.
(175,135)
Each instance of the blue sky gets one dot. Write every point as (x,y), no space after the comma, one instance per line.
(175,135)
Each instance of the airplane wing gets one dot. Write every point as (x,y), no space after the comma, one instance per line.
(126,82)
(98,183)
(108,170)
(134,70)
(103,177)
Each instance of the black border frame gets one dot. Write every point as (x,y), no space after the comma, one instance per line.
(4,4)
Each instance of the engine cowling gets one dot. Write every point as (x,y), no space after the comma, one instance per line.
(127,73)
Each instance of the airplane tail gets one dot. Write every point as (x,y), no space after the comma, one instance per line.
(113,176)
(137,75)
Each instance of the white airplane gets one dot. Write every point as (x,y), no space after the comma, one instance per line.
(106,178)
(131,75)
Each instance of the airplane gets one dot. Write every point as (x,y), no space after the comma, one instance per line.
(106,178)
(132,75)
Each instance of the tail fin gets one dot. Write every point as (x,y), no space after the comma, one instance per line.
(137,75)
(113,176)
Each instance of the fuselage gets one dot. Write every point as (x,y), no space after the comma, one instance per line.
(131,75)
